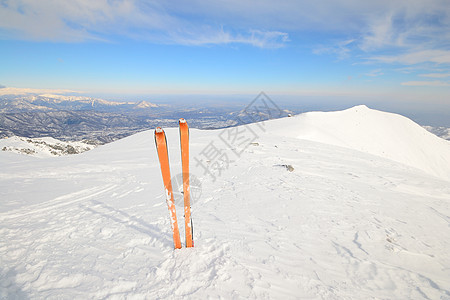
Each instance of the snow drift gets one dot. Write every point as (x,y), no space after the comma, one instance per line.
(342,224)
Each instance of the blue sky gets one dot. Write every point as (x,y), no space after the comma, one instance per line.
(389,50)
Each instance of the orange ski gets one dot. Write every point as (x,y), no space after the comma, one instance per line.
(161,146)
(184,141)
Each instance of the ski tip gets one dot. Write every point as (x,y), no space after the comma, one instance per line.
(159,130)
(182,120)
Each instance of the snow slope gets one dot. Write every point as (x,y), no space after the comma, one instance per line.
(380,133)
(342,224)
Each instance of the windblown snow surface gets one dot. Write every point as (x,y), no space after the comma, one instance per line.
(362,214)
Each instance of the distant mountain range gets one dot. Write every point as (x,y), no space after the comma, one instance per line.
(49,102)
(74,118)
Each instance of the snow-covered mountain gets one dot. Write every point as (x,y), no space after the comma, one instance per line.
(71,118)
(43,147)
(383,134)
(348,219)
(52,102)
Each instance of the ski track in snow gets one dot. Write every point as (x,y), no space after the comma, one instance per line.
(343,224)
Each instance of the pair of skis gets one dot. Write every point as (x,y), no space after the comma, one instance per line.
(161,146)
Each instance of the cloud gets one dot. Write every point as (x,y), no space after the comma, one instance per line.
(416,23)
(154,21)
(25,91)
(257,38)
(435,75)
(416,57)
(345,27)
(84,20)
(2,86)
(341,48)
(374,73)
(44,20)
(435,83)
(411,34)
(380,33)
(267,39)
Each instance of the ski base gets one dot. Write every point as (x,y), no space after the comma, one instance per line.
(161,146)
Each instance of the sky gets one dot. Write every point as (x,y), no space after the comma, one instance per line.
(386,50)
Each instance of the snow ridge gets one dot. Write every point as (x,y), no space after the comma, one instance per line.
(380,133)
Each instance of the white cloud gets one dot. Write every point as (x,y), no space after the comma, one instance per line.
(374,73)
(81,20)
(412,26)
(417,24)
(257,38)
(379,34)
(56,20)
(416,57)
(414,33)
(267,39)
(435,83)
(435,75)
(341,48)
(25,91)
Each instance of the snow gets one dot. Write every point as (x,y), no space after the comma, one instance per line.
(344,223)
(442,132)
(383,134)
(43,147)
